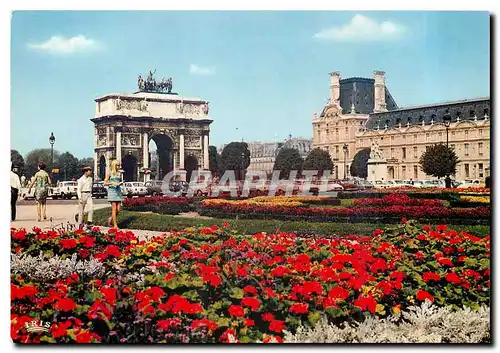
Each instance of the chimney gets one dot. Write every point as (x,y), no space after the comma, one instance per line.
(380,104)
(335,88)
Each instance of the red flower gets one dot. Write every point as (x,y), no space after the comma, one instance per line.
(280,271)
(169,323)
(453,278)
(299,308)
(213,279)
(68,243)
(423,295)
(113,250)
(419,255)
(250,289)
(276,338)
(431,276)
(377,232)
(421,237)
(84,337)
(59,330)
(211,325)
(397,275)
(225,224)
(445,261)
(441,227)
(251,302)
(236,310)
(277,326)
(249,322)
(20,234)
(366,302)
(83,253)
(110,294)
(65,304)
(267,317)
(338,293)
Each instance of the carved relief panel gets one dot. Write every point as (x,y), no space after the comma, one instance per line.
(131,139)
(140,105)
(192,142)
(101,140)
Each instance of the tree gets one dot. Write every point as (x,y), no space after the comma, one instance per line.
(38,155)
(17,161)
(439,161)
(359,165)
(235,156)
(68,166)
(86,162)
(319,160)
(213,159)
(288,159)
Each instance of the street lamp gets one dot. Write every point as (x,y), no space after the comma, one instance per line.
(241,168)
(345,157)
(447,123)
(52,140)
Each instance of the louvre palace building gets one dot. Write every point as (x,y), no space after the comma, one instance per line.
(362,111)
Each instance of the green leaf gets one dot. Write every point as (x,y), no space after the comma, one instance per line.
(334,311)
(236,293)
(245,339)
(223,322)
(314,317)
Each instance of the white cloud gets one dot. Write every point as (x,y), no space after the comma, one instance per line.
(62,45)
(362,28)
(201,70)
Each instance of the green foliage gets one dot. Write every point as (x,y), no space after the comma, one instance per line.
(319,160)
(17,161)
(214,159)
(68,166)
(359,165)
(288,159)
(439,161)
(235,156)
(39,155)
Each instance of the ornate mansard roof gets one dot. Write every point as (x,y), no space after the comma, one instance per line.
(431,113)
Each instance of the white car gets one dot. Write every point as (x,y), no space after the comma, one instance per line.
(471,183)
(134,188)
(403,183)
(385,184)
(437,183)
(28,196)
(415,183)
(64,190)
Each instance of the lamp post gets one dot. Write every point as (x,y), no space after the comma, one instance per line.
(52,140)
(241,168)
(447,123)
(345,159)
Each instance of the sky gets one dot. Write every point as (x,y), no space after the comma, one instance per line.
(264,73)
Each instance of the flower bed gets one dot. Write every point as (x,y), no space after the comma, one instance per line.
(205,285)
(421,193)
(397,200)
(386,214)
(471,201)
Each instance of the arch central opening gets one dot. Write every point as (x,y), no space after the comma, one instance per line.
(161,155)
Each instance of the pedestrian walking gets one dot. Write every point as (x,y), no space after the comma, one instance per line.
(84,193)
(41,181)
(113,181)
(15,191)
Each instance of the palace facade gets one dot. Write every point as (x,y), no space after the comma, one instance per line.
(362,110)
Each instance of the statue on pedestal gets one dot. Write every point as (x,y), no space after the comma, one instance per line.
(375,152)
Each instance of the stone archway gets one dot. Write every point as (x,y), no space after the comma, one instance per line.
(390,173)
(165,155)
(129,166)
(190,164)
(102,168)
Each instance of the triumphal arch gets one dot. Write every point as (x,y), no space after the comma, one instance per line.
(124,124)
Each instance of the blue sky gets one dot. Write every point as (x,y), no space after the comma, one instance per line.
(263,72)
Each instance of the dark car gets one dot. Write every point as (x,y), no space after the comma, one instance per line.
(99,191)
(179,187)
(154,187)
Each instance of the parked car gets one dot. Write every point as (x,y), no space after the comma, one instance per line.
(385,184)
(64,190)
(180,187)
(363,184)
(403,183)
(153,187)
(415,183)
(470,183)
(99,191)
(28,196)
(437,183)
(134,188)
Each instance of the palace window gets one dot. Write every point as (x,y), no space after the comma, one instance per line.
(415,172)
(415,153)
(415,138)
(403,171)
(404,152)
(336,151)
(346,132)
(480,132)
(466,134)
(392,139)
(467,171)
(337,134)
(481,170)
(392,152)
(466,149)
(480,148)
(440,135)
(427,136)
